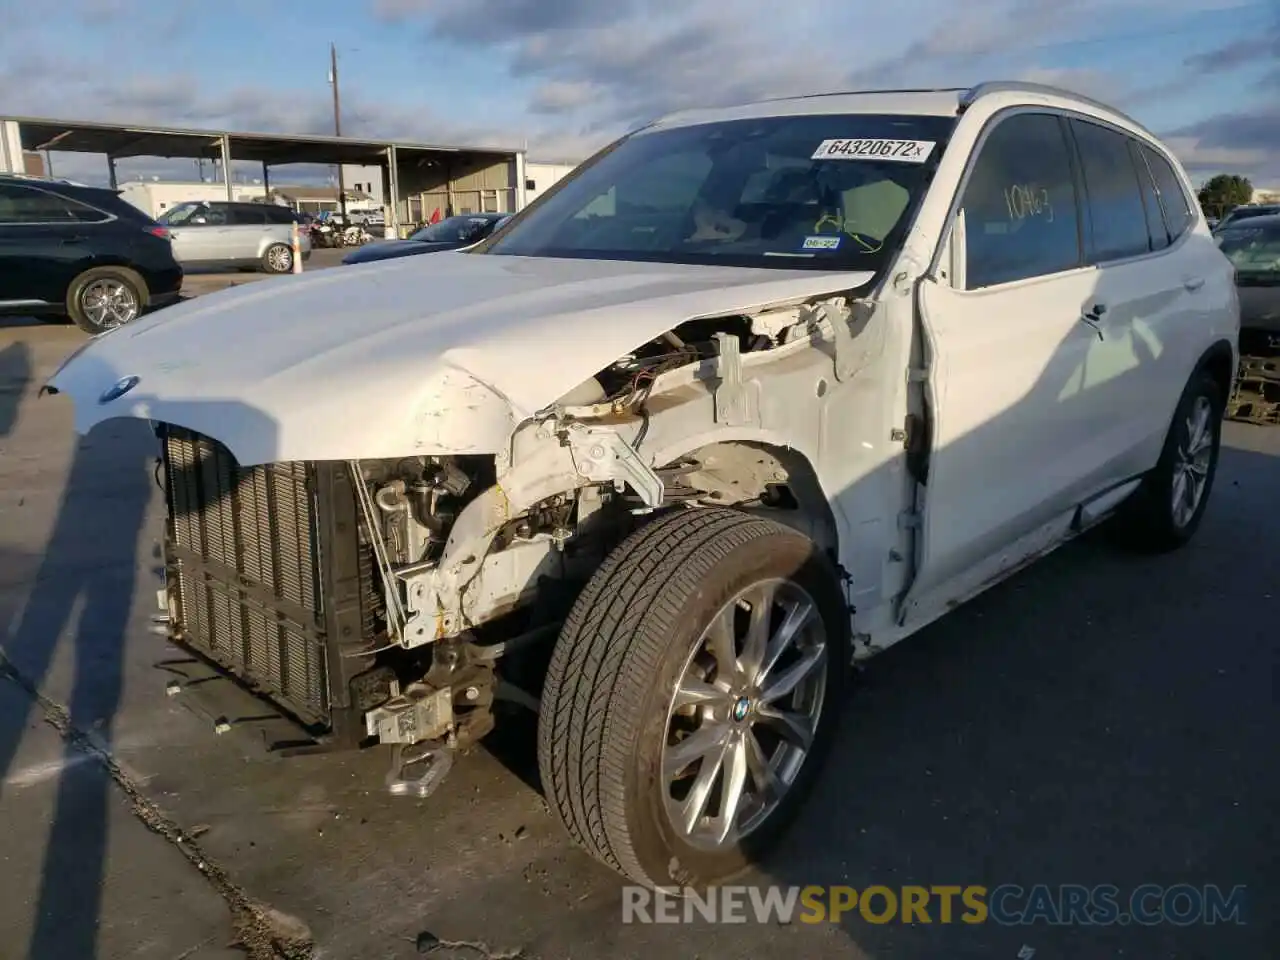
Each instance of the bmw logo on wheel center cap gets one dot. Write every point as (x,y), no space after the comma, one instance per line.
(741,707)
(118,389)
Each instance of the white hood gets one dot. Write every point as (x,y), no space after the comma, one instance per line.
(423,355)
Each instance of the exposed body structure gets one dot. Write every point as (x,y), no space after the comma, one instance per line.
(662,492)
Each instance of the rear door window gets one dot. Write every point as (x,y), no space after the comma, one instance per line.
(215,215)
(1114,195)
(1019,205)
(278,214)
(248,216)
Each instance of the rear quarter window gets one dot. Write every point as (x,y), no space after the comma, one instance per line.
(1173,198)
(1158,234)
(113,203)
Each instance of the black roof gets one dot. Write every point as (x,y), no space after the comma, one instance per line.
(133,140)
(49,183)
(1267,220)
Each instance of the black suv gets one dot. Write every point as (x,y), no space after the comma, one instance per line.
(68,250)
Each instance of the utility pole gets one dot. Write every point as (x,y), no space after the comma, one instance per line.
(337,123)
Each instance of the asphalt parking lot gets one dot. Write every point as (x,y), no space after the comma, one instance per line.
(1099,719)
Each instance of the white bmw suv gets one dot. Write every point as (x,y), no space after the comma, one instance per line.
(752,394)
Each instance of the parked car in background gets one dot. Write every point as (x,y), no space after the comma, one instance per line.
(367,216)
(79,252)
(1253,247)
(452,233)
(1247,212)
(223,234)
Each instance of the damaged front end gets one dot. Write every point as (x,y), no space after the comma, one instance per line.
(409,601)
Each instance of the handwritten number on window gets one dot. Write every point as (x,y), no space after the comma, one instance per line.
(1027,200)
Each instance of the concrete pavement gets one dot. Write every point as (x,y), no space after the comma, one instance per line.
(1098,719)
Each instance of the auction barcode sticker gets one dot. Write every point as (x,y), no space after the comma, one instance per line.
(899,151)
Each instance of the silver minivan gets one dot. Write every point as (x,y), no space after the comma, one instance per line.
(223,234)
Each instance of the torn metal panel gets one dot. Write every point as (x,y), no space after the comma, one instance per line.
(472,583)
(734,399)
(358,364)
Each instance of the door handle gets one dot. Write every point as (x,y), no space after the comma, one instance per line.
(66,241)
(1193,283)
(1092,316)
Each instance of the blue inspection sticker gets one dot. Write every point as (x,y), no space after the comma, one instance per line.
(821,243)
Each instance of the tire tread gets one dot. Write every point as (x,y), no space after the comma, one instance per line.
(613,639)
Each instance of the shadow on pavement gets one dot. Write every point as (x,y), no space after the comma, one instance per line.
(84,588)
(1093,721)
(15,376)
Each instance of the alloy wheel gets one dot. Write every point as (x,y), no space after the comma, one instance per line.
(1191,461)
(280,259)
(743,717)
(108,303)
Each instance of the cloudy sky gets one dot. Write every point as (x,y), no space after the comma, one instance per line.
(565,76)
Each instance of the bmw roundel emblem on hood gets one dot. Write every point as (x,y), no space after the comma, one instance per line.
(118,389)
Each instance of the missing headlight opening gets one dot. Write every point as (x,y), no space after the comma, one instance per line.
(442,580)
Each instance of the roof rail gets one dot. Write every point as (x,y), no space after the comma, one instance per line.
(849,93)
(973,94)
(41,178)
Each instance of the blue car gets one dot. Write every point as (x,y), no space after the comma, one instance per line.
(452,233)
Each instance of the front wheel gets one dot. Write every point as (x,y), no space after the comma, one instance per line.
(692,696)
(1167,509)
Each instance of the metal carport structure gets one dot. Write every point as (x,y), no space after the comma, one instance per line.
(409,169)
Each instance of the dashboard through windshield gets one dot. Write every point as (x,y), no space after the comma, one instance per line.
(815,191)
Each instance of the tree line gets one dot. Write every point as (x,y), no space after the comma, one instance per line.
(1221,194)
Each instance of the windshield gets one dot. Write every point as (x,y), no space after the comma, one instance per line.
(455,230)
(1252,249)
(179,214)
(819,191)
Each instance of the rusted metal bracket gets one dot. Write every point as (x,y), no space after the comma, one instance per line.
(1256,397)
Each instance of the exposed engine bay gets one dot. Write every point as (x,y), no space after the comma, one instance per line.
(464,566)
(480,559)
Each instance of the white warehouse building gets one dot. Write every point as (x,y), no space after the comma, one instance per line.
(539,175)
